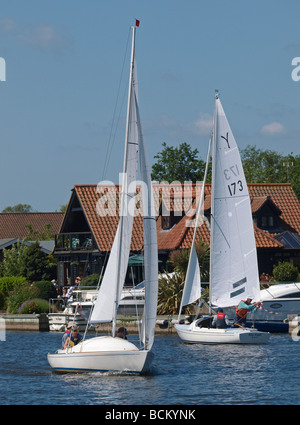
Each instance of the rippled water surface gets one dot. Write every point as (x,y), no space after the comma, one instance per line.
(182,374)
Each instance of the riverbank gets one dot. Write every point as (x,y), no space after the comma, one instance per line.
(40,323)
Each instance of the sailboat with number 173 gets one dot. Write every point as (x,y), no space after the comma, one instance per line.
(233,257)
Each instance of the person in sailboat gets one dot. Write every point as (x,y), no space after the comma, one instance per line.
(122,332)
(220,321)
(73,338)
(243,309)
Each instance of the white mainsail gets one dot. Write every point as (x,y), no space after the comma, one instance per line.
(109,294)
(234,271)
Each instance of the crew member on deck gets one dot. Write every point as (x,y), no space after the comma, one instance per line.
(243,309)
(220,321)
(74,337)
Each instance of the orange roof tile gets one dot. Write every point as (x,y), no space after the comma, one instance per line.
(13,225)
(101,208)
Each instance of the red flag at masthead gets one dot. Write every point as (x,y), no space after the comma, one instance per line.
(137,23)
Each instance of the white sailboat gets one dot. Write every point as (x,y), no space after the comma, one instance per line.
(233,258)
(110,353)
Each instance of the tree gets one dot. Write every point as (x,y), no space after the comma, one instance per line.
(178,164)
(267,166)
(37,265)
(19,208)
(13,259)
(35,235)
(28,261)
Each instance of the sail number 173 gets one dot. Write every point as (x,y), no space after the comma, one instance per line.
(231,173)
(235,187)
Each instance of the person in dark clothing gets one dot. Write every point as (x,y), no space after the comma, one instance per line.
(220,321)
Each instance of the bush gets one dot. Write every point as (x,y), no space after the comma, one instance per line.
(2,300)
(19,296)
(36,305)
(46,289)
(91,280)
(8,283)
(285,272)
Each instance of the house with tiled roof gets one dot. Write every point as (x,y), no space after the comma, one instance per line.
(16,227)
(86,236)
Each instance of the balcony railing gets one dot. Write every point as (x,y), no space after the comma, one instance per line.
(74,242)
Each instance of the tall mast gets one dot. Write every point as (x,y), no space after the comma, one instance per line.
(124,179)
(212,194)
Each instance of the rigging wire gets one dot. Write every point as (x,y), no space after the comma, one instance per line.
(113,129)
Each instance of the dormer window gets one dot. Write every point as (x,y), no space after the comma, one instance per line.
(267,221)
(266,215)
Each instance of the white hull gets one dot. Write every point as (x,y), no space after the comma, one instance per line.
(193,334)
(102,354)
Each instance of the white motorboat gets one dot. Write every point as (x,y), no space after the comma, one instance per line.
(278,301)
(79,306)
(233,258)
(111,353)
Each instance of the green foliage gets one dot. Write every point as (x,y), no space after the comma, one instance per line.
(2,300)
(260,166)
(170,288)
(28,261)
(19,208)
(8,283)
(178,164)
(180,259)
(19,296)
(35,305)
(268,167)
(46,289)
(35,262)
(35,235)
(91,280)
(13,260)
(285,272)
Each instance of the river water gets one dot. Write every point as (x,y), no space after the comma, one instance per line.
(182,375)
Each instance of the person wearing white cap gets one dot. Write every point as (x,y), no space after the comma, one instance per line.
(73,338)
(66,334)
(243,309)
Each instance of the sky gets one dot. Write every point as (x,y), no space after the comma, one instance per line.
(64,61)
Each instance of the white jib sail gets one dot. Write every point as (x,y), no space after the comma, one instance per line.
(106,305)
(234,271)
(192,284)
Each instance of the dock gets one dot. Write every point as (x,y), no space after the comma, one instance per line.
(26,322)
(40,323)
